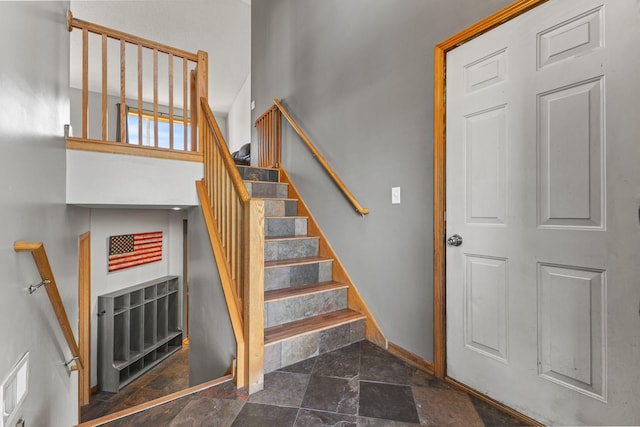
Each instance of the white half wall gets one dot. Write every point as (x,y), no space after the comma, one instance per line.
(102,179)
(239,118)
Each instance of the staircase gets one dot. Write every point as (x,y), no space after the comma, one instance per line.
(305,311)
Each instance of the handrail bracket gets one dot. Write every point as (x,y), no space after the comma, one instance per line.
(33,288)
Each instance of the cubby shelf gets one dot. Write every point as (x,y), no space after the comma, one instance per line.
(138,327)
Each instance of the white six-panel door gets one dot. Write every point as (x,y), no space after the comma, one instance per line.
(543,186)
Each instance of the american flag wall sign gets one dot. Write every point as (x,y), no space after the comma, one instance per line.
(130,250)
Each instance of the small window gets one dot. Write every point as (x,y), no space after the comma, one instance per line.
(147,138)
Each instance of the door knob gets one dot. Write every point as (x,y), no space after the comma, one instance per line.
(455,240)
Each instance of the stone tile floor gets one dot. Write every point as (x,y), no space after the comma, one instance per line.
(358,385)
(168,377)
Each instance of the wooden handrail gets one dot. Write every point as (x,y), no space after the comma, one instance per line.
(321,159)
(73,22)
(46,274)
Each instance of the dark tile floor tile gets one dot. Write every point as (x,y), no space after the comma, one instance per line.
(226,390)
(493,417)
(378,422)
(255,414)
(204,411)
(342,363)
(439,407)
(379,365)
(387,401)
(159,416)
(308,418)
(332,394)
(304,367)
(282,389)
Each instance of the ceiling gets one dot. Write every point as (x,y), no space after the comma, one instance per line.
(220,27)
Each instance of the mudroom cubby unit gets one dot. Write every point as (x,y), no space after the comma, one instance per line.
(138,327)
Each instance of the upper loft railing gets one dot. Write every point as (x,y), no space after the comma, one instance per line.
(49,283)
(235,223)
(151,107)
(270,142)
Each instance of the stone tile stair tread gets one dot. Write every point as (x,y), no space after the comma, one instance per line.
(265,182)
(287,217)
(296,261)
(295,291)
(308,325)
(288,238)
(256,167)
(276,199)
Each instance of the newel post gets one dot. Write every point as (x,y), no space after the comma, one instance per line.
(254,295)
(201,91)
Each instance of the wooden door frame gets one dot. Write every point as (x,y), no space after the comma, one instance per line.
(439,169)
(84,318)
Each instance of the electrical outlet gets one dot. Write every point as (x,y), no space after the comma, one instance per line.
(395,195)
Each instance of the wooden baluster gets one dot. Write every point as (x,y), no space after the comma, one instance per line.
(85,83)
(140,141)
(104,88)
(194,110)
(171,101)
(278,141)
(123,100)
(155,98)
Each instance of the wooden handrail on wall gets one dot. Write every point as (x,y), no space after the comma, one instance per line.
(269,147)
(179,146)
(235,223)
(48,281)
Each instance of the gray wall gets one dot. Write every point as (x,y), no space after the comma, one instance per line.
(34,83)
(358,77)
(211,340)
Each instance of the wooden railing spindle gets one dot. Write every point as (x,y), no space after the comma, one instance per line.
(171,101)
(85,82)
(123,100)
(155,98)
(104,88)
(140,141)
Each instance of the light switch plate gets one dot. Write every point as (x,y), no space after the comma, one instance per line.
(395,195)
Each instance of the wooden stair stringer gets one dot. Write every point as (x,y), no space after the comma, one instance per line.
(373,332)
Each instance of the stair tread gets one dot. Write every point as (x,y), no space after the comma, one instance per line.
(296,261)
(321,322)
(295,291)
(287,217)
(256,167)
(286,199)
(253,181)
(284,238)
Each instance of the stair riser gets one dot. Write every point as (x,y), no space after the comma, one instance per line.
(267,189)
(303,347)
(289,249)
(285,227)
(257,174)
(290,309)
(295,275)
(280,207)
